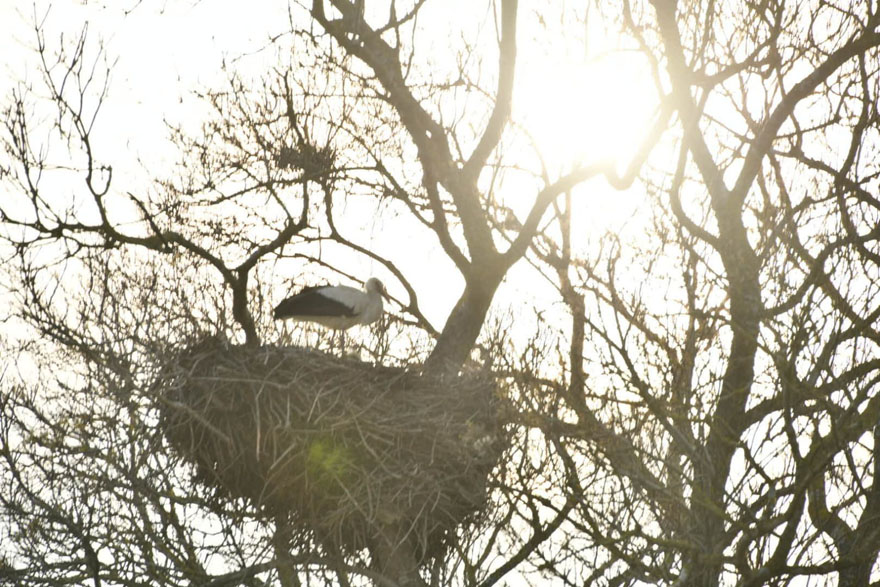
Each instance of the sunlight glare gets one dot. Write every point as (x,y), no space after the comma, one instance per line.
(581,112)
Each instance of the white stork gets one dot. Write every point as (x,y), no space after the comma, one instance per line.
(334,306)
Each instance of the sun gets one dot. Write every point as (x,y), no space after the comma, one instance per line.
(582,111)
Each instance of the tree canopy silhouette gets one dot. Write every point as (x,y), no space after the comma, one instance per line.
(693,400)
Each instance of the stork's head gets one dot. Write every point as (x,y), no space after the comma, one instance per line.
(373,285)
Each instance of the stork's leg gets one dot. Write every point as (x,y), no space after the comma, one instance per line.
(335,344)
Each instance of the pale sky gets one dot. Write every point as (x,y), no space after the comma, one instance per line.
(577,106)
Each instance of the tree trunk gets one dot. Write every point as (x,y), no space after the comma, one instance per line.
(464,324)
(393,558)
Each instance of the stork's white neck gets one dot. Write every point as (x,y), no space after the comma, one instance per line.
(373,310)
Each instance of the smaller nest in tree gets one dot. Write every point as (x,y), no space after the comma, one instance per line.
(313,161)
(348,451)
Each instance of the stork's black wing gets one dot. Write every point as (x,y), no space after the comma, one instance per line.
(310,302)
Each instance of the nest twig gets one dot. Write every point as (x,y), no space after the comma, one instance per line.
(346,449)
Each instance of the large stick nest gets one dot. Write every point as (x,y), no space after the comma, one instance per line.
(346,450)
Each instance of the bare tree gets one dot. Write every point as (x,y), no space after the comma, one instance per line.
(703,412)
(738,406)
